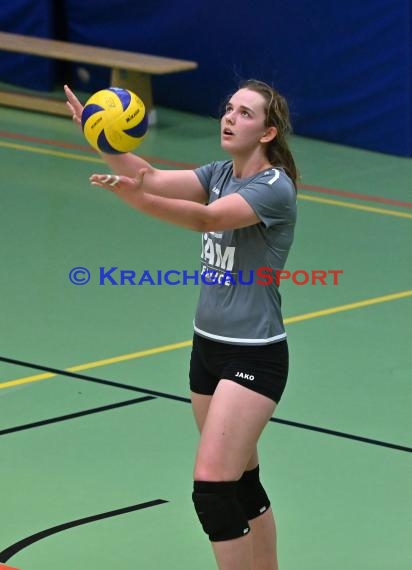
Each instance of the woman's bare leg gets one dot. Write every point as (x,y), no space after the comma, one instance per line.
(231,422)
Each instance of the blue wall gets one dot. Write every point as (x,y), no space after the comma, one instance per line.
(345,67)
(34,19)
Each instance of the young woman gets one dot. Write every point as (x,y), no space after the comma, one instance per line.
(245,209)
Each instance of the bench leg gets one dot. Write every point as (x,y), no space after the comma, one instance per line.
(139,83)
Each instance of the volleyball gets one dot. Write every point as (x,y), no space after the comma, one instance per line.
(114,120)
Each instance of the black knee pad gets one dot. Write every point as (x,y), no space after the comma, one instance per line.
(219,510)
(251,494)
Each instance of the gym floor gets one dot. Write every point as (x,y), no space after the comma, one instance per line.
(97,438)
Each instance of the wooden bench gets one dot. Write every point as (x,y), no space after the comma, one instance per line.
(128,70)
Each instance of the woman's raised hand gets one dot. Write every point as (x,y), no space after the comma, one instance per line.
(74,105)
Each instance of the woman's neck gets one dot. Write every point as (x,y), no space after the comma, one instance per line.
(245,167)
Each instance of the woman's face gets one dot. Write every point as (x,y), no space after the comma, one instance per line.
(243,124)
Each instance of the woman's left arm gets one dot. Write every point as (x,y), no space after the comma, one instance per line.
(230,212)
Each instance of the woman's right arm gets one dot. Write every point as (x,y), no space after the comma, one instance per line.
(180,184)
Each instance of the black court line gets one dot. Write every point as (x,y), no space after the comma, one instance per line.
(10,551)
(343,434)
(187,400)
(78,376)
(74,415)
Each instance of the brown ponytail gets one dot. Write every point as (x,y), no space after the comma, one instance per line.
(277,115)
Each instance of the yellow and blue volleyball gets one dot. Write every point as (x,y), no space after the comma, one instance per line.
(114,120)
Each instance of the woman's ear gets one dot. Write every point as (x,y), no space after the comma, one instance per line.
(269,135)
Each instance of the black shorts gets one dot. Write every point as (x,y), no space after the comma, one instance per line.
(263,368)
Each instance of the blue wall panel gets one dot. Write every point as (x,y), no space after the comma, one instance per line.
(34,18)
(345,66)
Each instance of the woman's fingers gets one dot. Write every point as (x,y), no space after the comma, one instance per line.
(73,104)
(118,182)
(104,179)
(72,97)
(110,181)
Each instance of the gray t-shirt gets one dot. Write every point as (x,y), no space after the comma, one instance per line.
(229,309)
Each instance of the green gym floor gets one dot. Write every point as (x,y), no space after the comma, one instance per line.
(96,464)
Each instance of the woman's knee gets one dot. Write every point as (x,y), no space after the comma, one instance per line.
(219,511)
(207,471)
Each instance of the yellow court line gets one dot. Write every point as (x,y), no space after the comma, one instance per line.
(97,363)
(47,151)
(186,343)
(354,206)
(301,195)
(349,307)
